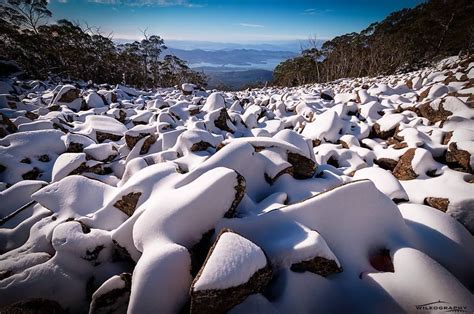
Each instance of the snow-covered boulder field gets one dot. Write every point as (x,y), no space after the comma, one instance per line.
(351,196)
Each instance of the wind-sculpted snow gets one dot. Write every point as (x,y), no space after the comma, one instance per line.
(350,196)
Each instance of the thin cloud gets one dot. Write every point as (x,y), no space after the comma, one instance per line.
(251,25)
(195,5)
(105,1)
(159,3)
(315,11)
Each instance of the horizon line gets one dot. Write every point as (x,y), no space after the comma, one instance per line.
(254,41)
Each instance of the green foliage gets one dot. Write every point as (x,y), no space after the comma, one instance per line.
(67,50)
(405,40)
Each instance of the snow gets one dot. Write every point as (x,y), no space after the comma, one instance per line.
(390,121)
(384,181)
(451,185)
(75,104)
(405,287)
(67,163)
(467,146)
(213,102)
(70,138)
(31,145)
(188,87)
(104,124)
(119,180)
(101,151)
(35,126)
(457,107)
(154,224)
(423,162)
(233,261)
(18,195)
(326,126)
(113,286)
(450,237)
(93,100)
(437,91)
(75,187)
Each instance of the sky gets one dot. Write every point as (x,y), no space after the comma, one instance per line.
(245,21)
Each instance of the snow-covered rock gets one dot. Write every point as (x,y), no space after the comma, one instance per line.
(234,269)
(353,195)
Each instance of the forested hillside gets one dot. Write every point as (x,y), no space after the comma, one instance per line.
(403,41)
(70,51)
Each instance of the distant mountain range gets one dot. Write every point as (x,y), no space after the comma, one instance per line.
(234,65)
(251,58)
(228,78)
(280,45)
(287,45)
(233,68)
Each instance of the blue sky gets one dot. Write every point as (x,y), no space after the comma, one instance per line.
(242,21)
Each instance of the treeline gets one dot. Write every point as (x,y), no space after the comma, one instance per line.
(66,50)
(405,40)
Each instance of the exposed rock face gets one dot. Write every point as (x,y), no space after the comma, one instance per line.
(404,170)
(458,159)
(223,299)
(32,174)
(34,306)
(26,160)
(318,265)
(316,142)
(199,252)
(44,158)
(31,115)
(133,140)
(382,261)
(150,140)
(199,146)
(239,194)
(11,127)
(70,95)
(272,180)
(396,142)
(326,96)
(128,203)
(97,169)
(303,167)
(122,116)
(101,137)
(386,163)
(438,203)
(221,122)
(75,148)
(433,115)
(377,132)
(54,108)
(424,94)
(115,300)
(194,111)
(447,137)
(168,176)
